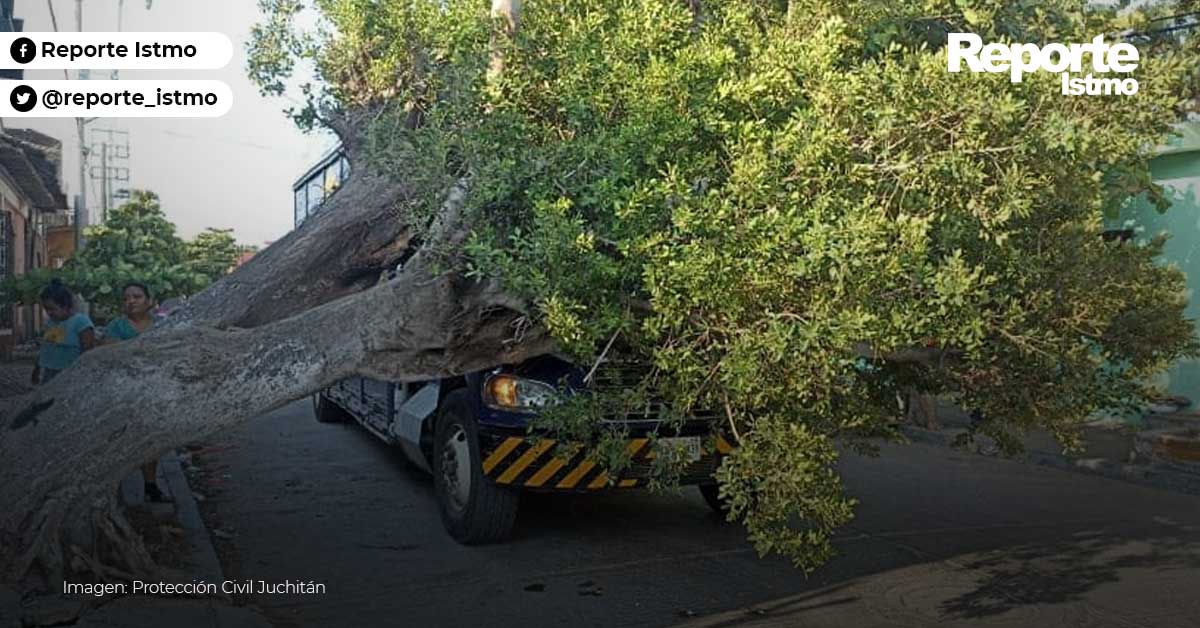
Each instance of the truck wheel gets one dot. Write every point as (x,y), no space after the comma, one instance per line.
(474,510)
(327,411)
(711,495)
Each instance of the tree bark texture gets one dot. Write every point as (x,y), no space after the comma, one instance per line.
(303,314)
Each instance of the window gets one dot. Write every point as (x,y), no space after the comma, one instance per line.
(327,177)
(301,206)
(333,179)
(316,194)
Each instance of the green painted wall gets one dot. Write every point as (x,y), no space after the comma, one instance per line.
(1178,169)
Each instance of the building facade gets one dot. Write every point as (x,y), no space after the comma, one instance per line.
(1177,168)
(32,207)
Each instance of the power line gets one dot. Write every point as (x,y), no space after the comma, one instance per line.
(54,23)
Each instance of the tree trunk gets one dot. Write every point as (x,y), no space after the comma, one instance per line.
(301,315)
(360,232)
(220,361)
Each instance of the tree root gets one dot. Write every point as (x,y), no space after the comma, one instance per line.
(45,549)
(90,563)
(118,551)
(122,540)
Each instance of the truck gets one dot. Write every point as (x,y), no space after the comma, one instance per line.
(473,435)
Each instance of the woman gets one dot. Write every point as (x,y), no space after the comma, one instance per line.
(137,307)
(64,337)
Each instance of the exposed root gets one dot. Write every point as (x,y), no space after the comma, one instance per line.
(107,573)
(118,552)
(122,540)
(44,549)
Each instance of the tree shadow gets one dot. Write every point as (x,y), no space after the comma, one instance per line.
(1064,571)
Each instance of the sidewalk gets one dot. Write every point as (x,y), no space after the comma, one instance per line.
(182,510)
(1113,449)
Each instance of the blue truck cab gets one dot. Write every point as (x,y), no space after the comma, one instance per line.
(473,435)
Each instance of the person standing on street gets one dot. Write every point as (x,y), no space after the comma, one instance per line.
(137,316)
(64,337)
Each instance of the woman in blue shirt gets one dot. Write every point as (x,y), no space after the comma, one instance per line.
(64,337)
(138,314)
(137,317)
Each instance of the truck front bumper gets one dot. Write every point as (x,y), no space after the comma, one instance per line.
(511,457)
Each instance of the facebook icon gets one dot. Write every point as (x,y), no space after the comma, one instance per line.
(23,50)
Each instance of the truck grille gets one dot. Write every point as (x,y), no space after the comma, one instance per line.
(623,376)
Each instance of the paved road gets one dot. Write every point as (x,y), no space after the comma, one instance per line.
(940,538)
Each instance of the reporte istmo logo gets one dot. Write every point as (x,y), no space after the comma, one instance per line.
(1062,59)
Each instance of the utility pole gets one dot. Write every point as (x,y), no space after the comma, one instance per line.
(116,74)
(81,205)
(81,214)
(104,183)
(81,198)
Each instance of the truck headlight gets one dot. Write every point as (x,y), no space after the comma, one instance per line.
(509,392)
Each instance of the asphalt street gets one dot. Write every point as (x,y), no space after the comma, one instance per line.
(940,538)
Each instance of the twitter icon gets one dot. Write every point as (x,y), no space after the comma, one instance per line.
(23,98)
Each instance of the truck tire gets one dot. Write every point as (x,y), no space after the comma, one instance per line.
(327,411)
(711,494)
(474,510)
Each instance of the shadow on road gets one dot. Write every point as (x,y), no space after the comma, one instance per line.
(939,537)
(1067,571)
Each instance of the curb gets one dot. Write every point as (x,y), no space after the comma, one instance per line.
(204,555)
(1145,474)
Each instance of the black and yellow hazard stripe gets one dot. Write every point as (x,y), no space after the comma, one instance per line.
(500,453)
(533,463)
(518,461)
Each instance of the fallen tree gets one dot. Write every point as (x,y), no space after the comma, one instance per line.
(790,210)
(208,374)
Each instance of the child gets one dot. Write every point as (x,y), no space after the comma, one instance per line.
(65,336)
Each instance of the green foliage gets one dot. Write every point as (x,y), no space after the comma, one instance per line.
(137,243)
(211,253)
(777,204)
